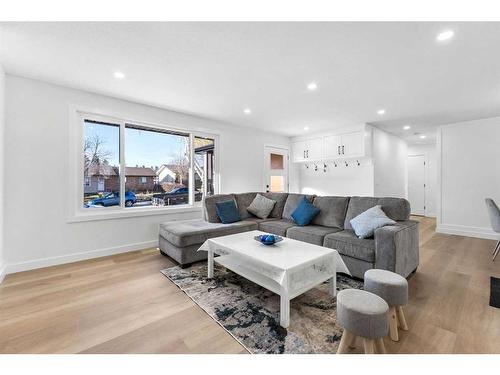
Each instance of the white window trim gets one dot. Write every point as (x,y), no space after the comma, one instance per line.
(76,213)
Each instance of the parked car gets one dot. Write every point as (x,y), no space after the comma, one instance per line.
(113,199)
(180,195)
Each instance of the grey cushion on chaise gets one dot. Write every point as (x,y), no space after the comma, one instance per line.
(394,247)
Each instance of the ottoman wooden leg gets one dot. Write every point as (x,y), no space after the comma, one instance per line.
(379,345)
(393,324)
(352,343)
(347,338)
(401,318)
(369,345)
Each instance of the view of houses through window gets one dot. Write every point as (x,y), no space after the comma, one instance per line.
(157,166)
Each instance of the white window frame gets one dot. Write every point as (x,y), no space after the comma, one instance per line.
(78,213)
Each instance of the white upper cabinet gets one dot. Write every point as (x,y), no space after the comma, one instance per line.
(310,149)
(299,151)
(332,146)
(353,144)
(314,150)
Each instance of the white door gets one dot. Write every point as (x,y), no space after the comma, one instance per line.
(100,184)
(275,169)
(299,150)
(333,146)
(416,184)
(353,144)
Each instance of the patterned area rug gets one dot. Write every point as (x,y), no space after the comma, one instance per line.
(250,313)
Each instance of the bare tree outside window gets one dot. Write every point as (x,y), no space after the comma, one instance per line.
(101,144)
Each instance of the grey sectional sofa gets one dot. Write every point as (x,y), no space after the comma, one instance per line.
(394,247)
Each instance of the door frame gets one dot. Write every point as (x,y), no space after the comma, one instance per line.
(265,168)
(425,182)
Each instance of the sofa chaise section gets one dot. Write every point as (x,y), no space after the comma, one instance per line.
(181,240)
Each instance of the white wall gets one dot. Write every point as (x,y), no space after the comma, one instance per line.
(37,165)
(429,152)
(2,138)
(389,161)
(341,180)
(468,172)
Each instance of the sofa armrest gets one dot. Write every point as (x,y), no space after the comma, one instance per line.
(397,247)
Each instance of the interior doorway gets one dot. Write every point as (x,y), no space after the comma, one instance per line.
(275,169)
(416,184)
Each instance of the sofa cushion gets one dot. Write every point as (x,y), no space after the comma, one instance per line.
(209,204)
(395,208)
(280,199)
(254,219)
(278,227)
(365,223)
(243,200)
(333,210)
(292,201)
(227,211)
(261,206)
(191,232)
(304,213)
(346,243)
(313,234)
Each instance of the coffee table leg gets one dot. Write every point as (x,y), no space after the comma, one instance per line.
(333,285)
(210,264)
(284,311)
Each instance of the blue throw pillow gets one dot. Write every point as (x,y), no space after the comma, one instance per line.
(304,212)
(227,212)
(364,224)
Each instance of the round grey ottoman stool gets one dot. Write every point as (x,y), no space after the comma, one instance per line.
(393,288)
(362,314)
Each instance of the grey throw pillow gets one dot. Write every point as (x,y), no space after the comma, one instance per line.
(261,206)
(364,224)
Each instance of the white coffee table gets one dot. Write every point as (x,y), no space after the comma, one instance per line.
(288,268)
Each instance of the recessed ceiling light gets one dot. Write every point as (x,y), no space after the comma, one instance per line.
(406,127)
(423,136)
(306,128)
(119,75)
(312,86)
(247,111)
(445,35)
(381,112)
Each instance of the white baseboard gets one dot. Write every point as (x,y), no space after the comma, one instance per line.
(461,230)
(3,272)
(75,257)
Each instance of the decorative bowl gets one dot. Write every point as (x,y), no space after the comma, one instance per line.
(268,239)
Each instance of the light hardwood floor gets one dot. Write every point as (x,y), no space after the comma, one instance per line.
(123,304)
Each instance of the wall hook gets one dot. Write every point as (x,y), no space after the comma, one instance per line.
(335,164)
(316,167)
(307,166)
(346,164)
(357,161)
(324,167)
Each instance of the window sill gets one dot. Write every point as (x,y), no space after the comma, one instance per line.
(131,212)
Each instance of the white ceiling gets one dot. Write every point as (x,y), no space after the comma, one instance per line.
(216,70)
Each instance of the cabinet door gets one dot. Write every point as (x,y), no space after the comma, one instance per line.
(298,151)
(353,144)
(314,148)
(332,146)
